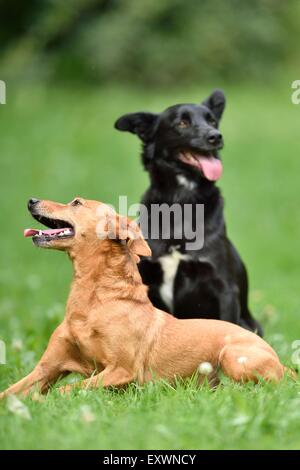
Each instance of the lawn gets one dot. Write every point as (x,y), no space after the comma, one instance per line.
(58,143)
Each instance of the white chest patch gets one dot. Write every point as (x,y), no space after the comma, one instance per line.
(183,181)
(169,265)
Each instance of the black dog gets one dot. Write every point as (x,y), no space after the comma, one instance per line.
(181,152)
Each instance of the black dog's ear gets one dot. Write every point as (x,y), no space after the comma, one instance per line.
(142,124)
(216,103)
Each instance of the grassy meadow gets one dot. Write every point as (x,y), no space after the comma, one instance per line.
(58,143)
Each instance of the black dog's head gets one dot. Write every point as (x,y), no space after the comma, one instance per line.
(184,137)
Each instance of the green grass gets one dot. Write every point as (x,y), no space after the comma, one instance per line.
(58,143)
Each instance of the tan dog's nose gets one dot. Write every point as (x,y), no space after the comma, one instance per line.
(32,202)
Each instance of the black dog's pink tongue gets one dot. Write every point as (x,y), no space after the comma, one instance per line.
(211,167)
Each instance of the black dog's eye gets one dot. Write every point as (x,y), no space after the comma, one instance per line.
(183,123)
(212,121)
(76,202)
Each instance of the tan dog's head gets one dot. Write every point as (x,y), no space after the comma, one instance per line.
(82,222)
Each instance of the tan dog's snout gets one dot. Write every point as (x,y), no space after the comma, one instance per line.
(42,208)
(57,218)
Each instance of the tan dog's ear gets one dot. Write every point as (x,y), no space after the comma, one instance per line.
(139,246)
(122,228)
(130,231)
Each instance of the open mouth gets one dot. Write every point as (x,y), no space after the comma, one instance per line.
(210,166)
(58,230)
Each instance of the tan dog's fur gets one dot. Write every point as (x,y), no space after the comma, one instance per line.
(112,333)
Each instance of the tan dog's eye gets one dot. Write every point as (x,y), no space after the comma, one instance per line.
(183,124)
(76,202)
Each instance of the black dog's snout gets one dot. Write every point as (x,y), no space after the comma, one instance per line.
(32,202)
(214,137)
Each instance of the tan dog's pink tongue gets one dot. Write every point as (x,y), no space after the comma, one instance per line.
(30,232)
(211,167)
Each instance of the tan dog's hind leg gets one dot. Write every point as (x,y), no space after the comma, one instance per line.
(109,377)
(243,364)
(48,370)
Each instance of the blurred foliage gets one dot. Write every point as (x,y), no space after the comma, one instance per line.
(148,42)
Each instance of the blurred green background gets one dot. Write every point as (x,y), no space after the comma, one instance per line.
(147,42)
(71,69)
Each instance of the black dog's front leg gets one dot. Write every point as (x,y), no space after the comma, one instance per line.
(241,278)
(230,309)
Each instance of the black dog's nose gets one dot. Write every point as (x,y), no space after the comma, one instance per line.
(214,137)
(32,202)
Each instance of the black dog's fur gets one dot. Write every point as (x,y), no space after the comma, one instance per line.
(210,282)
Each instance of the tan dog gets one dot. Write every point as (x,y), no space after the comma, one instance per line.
(111,332)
